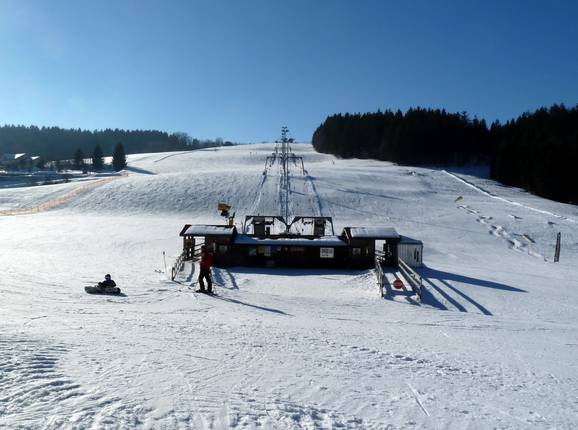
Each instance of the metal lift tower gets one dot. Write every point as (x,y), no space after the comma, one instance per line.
(284,156)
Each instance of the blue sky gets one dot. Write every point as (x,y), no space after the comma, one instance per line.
(240,69)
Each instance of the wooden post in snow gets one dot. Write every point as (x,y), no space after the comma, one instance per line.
(557,252)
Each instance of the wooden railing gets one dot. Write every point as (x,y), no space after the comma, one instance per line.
(180,261)
(178,265)
(412,277)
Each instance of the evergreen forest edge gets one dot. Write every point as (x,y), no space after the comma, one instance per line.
(55,143)
(537,151)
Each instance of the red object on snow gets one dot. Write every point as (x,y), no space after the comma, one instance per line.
(398,284)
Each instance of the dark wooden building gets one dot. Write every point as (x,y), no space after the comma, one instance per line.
(354,248)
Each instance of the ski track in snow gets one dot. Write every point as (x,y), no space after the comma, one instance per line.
(500,232)
(315,198)
(493,344)
(34,393)
(61,198)
(502,199)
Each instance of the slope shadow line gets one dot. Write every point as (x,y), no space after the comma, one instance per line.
(171,155)
(218,279)
(428,272)
(139,170)
(351,208)
(367,193)
(239,302)
(192,272)
(427,298)
(311,180)
(234,284)
(484,310)
(339,187)
(445,296)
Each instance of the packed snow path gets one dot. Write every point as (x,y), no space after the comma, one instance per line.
(302,198)
(493,345)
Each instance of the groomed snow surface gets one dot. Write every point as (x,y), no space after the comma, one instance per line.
(494,344)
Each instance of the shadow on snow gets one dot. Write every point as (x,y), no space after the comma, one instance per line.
(139,170)
(443,284)
(262,308)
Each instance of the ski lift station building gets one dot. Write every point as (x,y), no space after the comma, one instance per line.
(307,242)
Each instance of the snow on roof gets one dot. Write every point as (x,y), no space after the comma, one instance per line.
(410,240)
(209,230)
(373,233)
(289,241)
(12,157)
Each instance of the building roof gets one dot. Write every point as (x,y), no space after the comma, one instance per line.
(410,241)
(12,157)
(208,230)
(373,232)
(328,241)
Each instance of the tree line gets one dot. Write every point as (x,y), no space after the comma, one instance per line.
(539,152)
(418,136)
(96,160)
(55,143)
(535,151)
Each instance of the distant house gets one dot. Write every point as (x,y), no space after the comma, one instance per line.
(20,161)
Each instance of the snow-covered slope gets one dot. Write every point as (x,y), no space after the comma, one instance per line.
(494,344)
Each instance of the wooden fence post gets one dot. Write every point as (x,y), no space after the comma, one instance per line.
(557,252)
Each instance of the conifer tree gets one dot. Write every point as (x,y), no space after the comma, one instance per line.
(79,159)
(97,160)
(118,158)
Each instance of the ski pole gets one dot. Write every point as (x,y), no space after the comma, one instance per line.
(165,260)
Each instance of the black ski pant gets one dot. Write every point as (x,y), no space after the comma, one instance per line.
(205,274)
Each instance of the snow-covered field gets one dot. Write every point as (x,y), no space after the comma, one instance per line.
(494,345)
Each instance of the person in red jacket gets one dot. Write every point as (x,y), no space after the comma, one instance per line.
(205,270)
